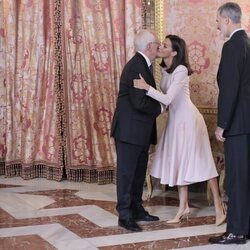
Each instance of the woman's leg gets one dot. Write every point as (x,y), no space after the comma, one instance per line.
(183,198)
(219,207)
(183,205)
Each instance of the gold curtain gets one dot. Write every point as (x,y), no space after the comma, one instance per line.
(29,94)
(98,41)
(2,92)
(59,73)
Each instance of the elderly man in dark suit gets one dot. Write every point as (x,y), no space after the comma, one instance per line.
(234,122)
(134,129)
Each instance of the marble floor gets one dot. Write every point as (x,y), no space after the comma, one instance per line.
(41,214)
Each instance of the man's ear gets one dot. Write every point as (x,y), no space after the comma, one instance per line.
(227,20)
(149,46)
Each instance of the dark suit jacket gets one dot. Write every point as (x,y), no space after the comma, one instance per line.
(134,118)
(234,85)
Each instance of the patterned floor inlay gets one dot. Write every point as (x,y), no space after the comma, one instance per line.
(41,214)
(24,243)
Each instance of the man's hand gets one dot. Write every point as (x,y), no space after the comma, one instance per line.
(219,134)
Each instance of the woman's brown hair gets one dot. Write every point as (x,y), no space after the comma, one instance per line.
(181,58)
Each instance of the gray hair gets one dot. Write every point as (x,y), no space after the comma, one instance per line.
(143,38)
(232,11)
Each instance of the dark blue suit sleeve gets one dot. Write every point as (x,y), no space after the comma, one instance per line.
(140,100)
(229,83)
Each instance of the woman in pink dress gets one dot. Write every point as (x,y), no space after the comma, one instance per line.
(183,155)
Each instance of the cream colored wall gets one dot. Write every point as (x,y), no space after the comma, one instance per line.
(195,21)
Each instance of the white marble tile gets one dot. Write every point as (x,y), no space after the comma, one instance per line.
(82,244)
(14,205)
(20,209)
(99,216)
(155,235)
(55,234)
(47,231)
(62,211)
(96,194)
(163,212)
(36,201)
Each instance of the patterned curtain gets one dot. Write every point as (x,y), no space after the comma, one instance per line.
(59,72)
(98,40)
(2,92)
(32,140)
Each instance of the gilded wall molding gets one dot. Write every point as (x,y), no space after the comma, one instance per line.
(207,110)
(159,18)
(159,28)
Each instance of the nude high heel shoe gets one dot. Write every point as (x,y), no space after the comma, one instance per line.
(221,218)
(179,217)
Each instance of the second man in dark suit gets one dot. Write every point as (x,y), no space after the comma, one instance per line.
(234,122)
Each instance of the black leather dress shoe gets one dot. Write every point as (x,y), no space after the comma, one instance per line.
(248,236)
(129,224)
(146,217)
(228,238)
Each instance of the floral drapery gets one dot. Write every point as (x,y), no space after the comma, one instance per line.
(98,41)
(29,133)
(59,72)
(2,93)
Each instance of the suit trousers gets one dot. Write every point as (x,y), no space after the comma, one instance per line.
(131,171)
(237,161)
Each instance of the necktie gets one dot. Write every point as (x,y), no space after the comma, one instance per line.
(151,68)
